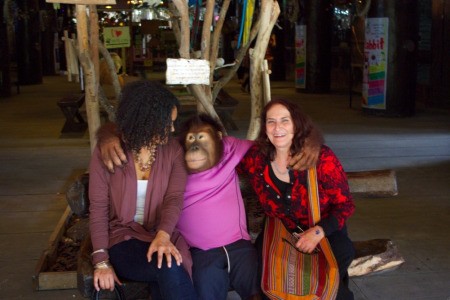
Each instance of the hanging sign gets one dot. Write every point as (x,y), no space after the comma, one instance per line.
(187,71)
(375,63)
(300,56)
(116,37)
(84,2)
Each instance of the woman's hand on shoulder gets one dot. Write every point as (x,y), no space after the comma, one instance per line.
(164,247)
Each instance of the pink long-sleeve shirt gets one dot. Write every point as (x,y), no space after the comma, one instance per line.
(213,213)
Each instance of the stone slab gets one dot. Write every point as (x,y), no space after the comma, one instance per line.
(376,183)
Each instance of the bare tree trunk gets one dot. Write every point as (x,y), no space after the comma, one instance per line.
(266,82)
(216,37)
(94,38)
(270,11)
(201,93)
(206,32)
(183,12)
(262,29)
(92,107)
(238,60)
(112,69)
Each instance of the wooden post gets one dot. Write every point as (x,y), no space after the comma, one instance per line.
(124,61)
(400,65)
(92,106)
(5,79)
(94,38)
(270,11)
(318,46)
(266,82)
(28,46)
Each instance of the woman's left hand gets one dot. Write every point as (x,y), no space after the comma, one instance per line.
(309,239)
(163,246)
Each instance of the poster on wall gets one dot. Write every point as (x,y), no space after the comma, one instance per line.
(375,63)
(300,56)
(116,37)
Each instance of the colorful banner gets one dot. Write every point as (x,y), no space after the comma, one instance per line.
(116,37)
(300,56)
(375,63)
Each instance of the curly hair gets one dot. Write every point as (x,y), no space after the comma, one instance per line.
(144,113)
(302,128)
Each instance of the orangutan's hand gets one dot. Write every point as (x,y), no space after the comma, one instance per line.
(110,147)
(309,155)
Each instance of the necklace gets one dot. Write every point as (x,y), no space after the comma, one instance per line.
(145,166)
(274,165)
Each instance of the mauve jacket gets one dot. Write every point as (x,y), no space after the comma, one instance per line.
(113,201)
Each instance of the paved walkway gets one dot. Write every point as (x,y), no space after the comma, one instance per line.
(37,164)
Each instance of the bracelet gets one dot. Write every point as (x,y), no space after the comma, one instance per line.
(98,251)
(103,265)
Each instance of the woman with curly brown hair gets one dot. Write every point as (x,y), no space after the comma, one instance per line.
(133,212)
(283,192)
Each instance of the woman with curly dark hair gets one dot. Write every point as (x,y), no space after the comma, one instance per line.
(133,212)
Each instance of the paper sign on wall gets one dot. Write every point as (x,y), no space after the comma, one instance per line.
(187,71)
(116,37)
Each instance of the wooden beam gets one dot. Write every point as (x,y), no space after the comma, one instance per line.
(84,2)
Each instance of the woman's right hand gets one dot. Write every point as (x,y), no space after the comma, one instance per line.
(104,279)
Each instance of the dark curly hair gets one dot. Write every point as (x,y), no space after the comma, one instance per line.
(144,113)
(302,128)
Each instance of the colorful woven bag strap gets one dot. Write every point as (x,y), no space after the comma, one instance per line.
(313,193)
(314,218)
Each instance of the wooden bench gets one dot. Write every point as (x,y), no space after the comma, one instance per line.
(132,289)
(372,256)
(70,106)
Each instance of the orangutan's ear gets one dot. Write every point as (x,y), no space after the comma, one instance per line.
(219,134)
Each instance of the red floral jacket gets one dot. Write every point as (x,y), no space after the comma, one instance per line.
(336,204)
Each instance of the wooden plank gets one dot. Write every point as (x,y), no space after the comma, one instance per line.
(60,228)
(43,280)
(57,280)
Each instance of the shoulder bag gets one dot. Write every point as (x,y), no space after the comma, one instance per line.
(290,274)
(118,291)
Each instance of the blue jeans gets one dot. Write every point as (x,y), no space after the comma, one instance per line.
(215,271)
(129,259)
